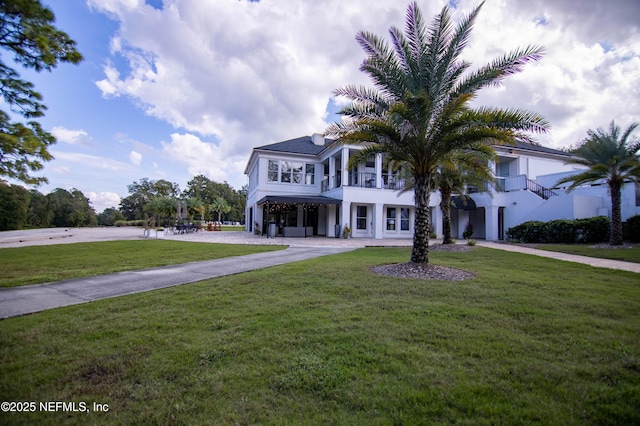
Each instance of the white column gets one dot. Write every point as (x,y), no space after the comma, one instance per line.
(345,169)
(491,223)
(332,172)
(463,221)
(378,221)
(436,221)
(331,220)
(378,170)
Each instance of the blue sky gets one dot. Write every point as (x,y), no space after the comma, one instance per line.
(174,88)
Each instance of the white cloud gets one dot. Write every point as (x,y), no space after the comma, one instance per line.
(135,158)
(103,200)
(205,158)
(73,137)
(245,74)
(93,161)
(61,170)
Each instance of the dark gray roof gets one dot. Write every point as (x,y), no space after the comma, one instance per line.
(302,145)
(537,148)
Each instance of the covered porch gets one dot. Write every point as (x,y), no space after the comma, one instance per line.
(296,216)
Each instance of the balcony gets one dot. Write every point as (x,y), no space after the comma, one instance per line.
(362,180)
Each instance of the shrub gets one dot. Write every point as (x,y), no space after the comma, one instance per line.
(560,231)
(140,222)
(528,232)
(593,229)
(468,231)
(632,229)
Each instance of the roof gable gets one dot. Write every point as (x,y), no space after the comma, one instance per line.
(303,145)
(526,146)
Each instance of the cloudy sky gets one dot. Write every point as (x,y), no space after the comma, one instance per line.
(174,88)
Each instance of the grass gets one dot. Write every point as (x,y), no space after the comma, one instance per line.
(232,228)
(40,264)
(625,254)
(527,341)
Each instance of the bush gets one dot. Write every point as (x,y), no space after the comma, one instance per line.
(468,231)
(561,231)
(632,229)
(139,222)
(528,232)
(593,229)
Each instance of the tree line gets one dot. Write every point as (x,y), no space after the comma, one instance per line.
(203,199)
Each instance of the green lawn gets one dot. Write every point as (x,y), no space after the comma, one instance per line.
(527,341)
(40,264)
(623,253)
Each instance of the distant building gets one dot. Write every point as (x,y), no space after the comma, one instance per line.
(303,187)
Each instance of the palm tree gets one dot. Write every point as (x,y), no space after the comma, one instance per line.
(161,208)
(220,206)
(456,172)
(419,110)
(194,205)
(611,156)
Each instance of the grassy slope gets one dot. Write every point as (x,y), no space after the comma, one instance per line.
(40,264)
(529,340)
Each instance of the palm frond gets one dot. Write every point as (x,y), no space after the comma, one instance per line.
(493,73)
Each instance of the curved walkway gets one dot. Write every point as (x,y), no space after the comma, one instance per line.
(34,298)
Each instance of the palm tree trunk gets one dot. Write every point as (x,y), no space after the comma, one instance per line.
(420,251)
(615,239)
(446,216)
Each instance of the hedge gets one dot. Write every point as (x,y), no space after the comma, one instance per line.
(590,230)
(632,229)
(139,222)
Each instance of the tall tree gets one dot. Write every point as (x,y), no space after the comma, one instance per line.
(419,110)
(220,206)
(610,155)
(27,31)
(40,215)
(70,208)
(14,206)
(141,192)
(195,207)
(206,190)
(162,208)
(109,216)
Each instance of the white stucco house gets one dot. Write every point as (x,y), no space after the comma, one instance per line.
(302,187)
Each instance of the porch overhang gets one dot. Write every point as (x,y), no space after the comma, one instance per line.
(293,199)
(462,202)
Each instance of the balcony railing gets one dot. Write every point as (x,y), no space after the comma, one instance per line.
(521,182)
(363,180)
(392,181)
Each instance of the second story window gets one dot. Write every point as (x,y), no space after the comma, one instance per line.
(285,172)
(272,172)
(310,174)
(294,172)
